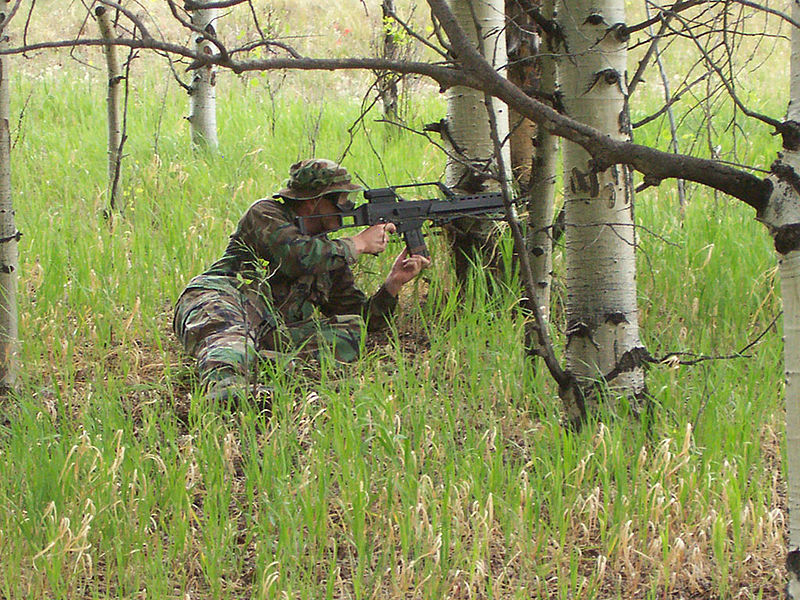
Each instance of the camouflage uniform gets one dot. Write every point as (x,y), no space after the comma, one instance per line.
(275,291)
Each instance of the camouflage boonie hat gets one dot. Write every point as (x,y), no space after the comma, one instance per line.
(313,177)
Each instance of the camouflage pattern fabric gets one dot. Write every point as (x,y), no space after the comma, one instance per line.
(314,177)
(275,292)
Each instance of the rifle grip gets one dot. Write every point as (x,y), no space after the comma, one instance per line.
(415,242)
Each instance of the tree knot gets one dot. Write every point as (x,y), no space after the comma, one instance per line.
(790,134)
(621,32)
(787,238)
(786,174)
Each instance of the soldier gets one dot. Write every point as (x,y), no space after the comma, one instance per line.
(277,291)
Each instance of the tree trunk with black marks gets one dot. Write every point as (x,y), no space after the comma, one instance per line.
(112,106)
(203,115)
(388,81)
(541,197)
(522,43)
(602,318)
(782,216)
(9,236)
(470,166)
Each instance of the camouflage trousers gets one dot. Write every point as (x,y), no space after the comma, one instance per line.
(230,332)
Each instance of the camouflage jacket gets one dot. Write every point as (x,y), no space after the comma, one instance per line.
(295,276)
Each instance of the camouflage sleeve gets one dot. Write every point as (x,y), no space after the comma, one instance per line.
(346,299)
(268,231)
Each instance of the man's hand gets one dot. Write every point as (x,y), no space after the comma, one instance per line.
(404,269)
(373,239)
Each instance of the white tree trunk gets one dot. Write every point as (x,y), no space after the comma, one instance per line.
(203,116)
(785,212)
(782,217)
(602,317)
(790,289)
(468,125)
(112,106)
(467,132)
(543,187)
(9,236)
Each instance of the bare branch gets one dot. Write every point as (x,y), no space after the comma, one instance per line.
(6,19)
(673,99)
(651,50)
(137,22)
(672,10)
(770,11)
(265,43)
(28,23)
(474,72)
(194,5)
(407,28)
(653,164)
(255,20)
(546,349)
(726,81)
(207,33)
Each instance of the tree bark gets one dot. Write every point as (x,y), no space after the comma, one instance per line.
(467,133)
(541,198)
(388,80)
(602,316)
(112,107)
(523,47)
(783,217)
(203,115)
(9,236)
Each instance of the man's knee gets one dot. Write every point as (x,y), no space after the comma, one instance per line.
(201,315)
(223,356)
(344,334)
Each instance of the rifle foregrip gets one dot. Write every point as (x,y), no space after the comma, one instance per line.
(415,243)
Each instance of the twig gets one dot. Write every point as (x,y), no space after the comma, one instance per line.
(207,33)
(672,357)
(137,22)
(124,133)
(9,16)
(27,24)
(546,349)
(407,28)
(672,10)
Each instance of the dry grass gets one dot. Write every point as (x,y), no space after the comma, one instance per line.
(437,467)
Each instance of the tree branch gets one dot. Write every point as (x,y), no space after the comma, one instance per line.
(195,5)
(476,73)
(655,165)
(672,11)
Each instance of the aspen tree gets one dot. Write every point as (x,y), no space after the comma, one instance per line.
(541,196)
(782,217)
(9,236)
(112,105)
(388,84)
(600,238)
(203,114)
(467,132)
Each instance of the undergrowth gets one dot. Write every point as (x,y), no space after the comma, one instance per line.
(437,466)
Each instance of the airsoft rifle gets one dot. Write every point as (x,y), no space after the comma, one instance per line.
(385,205)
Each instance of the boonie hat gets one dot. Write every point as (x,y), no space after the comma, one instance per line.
(313,177)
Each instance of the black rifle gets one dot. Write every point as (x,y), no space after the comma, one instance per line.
(384,205)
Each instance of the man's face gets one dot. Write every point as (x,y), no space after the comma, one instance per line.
(324,205)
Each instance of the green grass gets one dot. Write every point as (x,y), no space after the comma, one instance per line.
(435,467)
